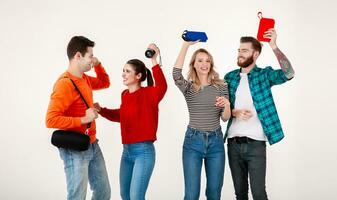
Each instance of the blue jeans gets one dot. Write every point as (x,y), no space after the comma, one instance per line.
(136,167)
(83,166)
(202,146)
(248,159)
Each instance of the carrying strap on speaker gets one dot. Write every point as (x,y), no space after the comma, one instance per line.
(76,88)
(160,62)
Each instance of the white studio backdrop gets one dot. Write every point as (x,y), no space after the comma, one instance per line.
(33,40)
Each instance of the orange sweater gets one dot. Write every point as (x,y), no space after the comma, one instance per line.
(66,107)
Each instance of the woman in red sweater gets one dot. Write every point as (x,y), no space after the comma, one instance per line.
(138,116)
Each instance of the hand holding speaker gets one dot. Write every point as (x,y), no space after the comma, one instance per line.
(265,25)
(190,36)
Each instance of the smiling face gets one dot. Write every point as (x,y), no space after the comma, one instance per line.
(129,75)
(85,62)
(80,53)
(202,63)
(246,55)
(201,66)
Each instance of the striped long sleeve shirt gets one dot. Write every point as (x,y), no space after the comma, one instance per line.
(203,114)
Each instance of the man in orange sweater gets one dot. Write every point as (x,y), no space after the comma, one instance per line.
(67,111)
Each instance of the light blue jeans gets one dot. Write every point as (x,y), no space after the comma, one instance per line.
(83,166)
(207,147)
(136,168)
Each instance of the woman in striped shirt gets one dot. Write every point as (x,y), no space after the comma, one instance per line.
(207,101)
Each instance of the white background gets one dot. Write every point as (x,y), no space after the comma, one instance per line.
(33,39)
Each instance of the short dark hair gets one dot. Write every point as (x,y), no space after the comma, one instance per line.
(140,67)
(257,46)
(78,44)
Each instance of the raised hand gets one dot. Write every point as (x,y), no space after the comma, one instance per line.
(271,34)
(95,61)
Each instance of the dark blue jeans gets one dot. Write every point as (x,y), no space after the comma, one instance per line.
(202,146)
(248,159)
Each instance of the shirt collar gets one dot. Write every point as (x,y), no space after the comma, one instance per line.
(251,71)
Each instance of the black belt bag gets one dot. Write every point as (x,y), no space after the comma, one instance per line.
(71,139)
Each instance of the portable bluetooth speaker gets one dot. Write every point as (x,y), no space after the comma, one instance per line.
(149,53)
(265,24)
(194,36)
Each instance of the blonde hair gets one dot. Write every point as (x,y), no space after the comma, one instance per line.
(213,76)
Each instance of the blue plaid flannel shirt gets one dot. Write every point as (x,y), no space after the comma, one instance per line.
(260,83)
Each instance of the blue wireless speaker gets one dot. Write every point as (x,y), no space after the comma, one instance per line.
(190,36)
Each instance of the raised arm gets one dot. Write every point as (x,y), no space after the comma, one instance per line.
(282,59)
(160,84)
(178,78)
(182,54)
(102,78)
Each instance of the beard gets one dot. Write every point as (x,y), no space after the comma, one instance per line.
(246,62)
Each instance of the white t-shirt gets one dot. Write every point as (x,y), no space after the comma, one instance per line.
(252,127)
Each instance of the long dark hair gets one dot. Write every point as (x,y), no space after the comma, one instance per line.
(140,67)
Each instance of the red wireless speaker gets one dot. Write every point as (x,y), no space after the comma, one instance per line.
(265,24)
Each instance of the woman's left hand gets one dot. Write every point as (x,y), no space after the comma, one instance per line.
(221,102)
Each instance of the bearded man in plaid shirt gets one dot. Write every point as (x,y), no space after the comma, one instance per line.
(254,116)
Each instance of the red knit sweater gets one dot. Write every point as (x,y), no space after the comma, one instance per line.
(138,113)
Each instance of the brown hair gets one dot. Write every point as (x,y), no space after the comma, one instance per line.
(140,67)
(257,46)
(78,44)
